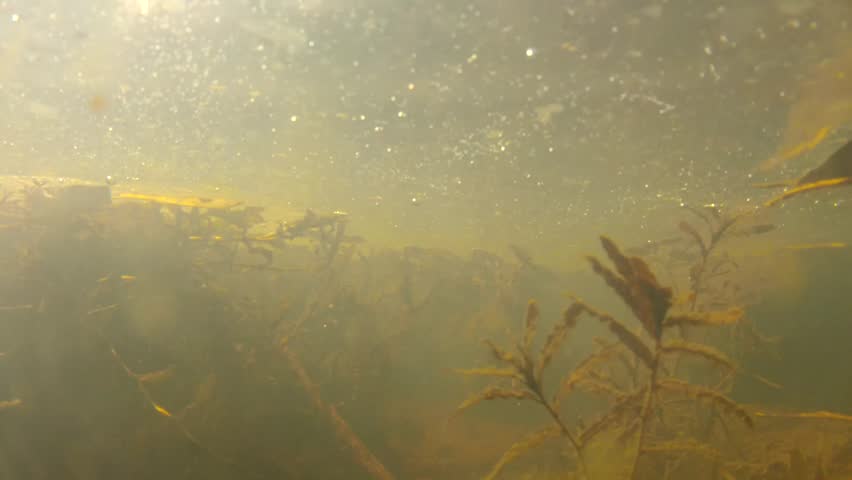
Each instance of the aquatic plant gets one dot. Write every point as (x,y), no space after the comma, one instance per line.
(651,304)
(707,267)
(526,368)
(633,407)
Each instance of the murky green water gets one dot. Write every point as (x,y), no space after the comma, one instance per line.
(455,160)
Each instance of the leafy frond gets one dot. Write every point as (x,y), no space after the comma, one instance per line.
(557,337)
(489,372)
(493,393)
(530,325)
(705,319)
(630,339)
(503,355)
(684,446)
(637,285)
(699,350)
(724,403)
(581,371)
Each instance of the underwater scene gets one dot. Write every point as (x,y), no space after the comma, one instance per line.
(426,240)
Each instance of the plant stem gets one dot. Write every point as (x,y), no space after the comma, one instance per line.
(562,427)
(646,413)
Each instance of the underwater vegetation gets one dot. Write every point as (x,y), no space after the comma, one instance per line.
(163,336)
(141,292)
(664,419)
(650,353)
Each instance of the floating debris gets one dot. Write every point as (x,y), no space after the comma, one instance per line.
(15,402)
(834,172)
(162,411)
(838,165)
(12,308)
(819,185)
(817,246)
(156,376)
(818,415)
(194,202)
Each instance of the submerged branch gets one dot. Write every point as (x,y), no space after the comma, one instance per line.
(361,454)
